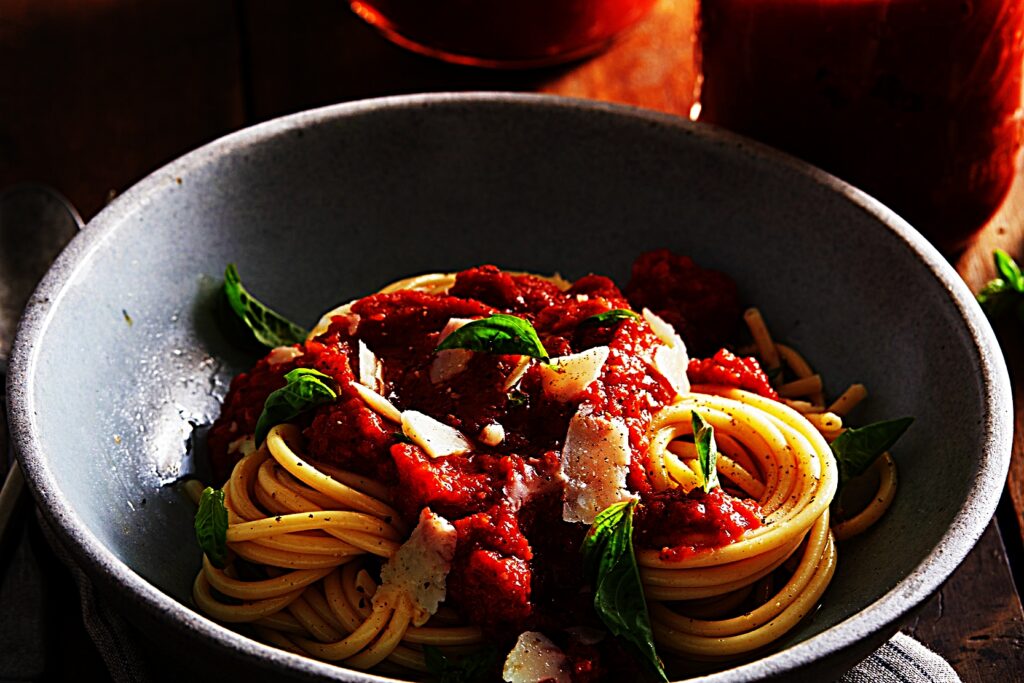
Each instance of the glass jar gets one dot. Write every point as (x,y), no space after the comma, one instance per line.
(502,33)
(915,101)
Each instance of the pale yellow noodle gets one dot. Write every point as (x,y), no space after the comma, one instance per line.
(316,530)
(762,338)
(887,481)
(314,624)
(805,386)
(848,400)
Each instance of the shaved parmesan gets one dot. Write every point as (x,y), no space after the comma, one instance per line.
(419,568)
(435,438)
(517,373)
(371,372)
(595,460)
(327,318)
(567,377)
(283,354)
(450,362)
(670,360)
(452,325)
(243,445)
(492,435)
(558,281)
(525,485)
(377,403)
(534,659)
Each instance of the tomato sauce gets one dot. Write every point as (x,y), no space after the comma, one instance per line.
(517,563)
(702,304)
(683,525)
(732,371)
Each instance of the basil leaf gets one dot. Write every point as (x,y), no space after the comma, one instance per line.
(856,449)
(269,328)
(997,298)
(517,399)
(499,333)
(305,390)
(212,526)
(477,667)
(707,451)
(618,594)
(1006,292)
(609,318)
(1009,270)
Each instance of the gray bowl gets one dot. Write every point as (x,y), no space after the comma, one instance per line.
(118,356)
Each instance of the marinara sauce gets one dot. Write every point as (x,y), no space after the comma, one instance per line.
(915,101)
(517,563)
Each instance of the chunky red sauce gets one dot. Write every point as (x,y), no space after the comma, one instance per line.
(702,304)
(517,563)
(731,370)
(682,525)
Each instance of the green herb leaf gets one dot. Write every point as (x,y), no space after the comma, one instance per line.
(270,328)
(479,667)
(997,298)
(498,333)
(856,449)
(518,399)
(305,389)
(609,318)
(1006,292)
(618,594)
(707,451)
(1009,270)
(212,526)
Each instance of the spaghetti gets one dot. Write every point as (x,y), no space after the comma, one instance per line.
(328,554)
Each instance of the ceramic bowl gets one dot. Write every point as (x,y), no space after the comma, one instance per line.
(119,357)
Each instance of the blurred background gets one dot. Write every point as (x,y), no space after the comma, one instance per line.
(96,94)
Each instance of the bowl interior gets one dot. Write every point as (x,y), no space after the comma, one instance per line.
(128,358)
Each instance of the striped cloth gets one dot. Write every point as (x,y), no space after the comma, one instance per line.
(902,660)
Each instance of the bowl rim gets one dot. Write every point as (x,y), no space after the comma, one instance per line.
(885,613)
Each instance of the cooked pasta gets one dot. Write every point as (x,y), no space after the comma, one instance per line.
(376,525)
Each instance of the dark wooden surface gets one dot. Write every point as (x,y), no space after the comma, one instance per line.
(95,94)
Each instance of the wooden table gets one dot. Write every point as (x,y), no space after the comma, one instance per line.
(98,93)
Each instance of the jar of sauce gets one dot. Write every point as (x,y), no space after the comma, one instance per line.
(502,33)
(915,101)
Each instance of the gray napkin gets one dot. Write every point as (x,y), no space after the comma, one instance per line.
(901,660)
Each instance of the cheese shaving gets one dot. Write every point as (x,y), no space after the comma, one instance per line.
(566,377)
(595,460)
(435,438)
(535,659)
(377,403)
(670,360)
(419,568)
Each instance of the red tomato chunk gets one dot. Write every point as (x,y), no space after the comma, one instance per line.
(683,525)
(733,371)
